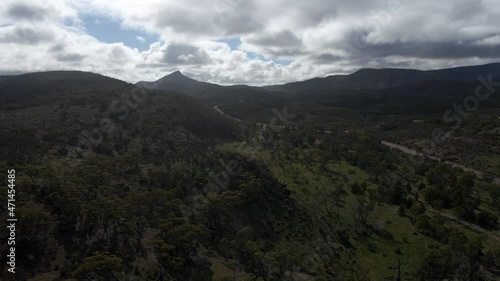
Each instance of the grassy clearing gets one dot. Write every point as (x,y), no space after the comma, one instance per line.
(392,238)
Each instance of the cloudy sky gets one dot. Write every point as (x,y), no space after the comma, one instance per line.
(245,41)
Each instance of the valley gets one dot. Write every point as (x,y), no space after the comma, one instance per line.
(195,181)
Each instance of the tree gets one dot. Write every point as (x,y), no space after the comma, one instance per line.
(466,183)
(34,225)
(398,267)
(202,273)
(176,245)
(416,210)
(361,212)
(436,265)
(233,265)
(289,257)
(99,266)
(359,272)
(494,194)
(469,255)
(258,259)
(432,227)
(332,201)
(486,219)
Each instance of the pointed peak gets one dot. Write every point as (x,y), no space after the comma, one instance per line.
(176,74)
(176,77)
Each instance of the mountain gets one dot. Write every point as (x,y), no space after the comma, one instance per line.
(5,77)
(388,78)
(46,87)
(109,177)
(177,82)
(211,93)
(76,100)
(174,190)
(468,73)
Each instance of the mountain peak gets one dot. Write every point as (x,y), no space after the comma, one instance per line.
(176,77)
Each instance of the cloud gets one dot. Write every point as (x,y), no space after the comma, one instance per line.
(26,12)
(283,39)
(180,53)
(321,38)
(140,39)
(489,41)
(25,34)
(69,57)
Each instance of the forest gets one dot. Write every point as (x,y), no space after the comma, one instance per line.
(118,182)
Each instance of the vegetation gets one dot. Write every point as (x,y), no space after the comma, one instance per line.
(116,182)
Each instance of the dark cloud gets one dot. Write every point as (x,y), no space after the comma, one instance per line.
(23,11)
(318,37)
(57,48)
(26,34)
(238,23)
(430,50)
(326,58)
(70,57)
(181,20)
(230,17)
(466,10)
(180,53)
(314,13)
(284,38)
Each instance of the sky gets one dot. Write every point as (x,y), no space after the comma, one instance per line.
(255,42)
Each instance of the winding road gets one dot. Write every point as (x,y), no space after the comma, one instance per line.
(216,107)
(410,151)
(392,145)
(494,234)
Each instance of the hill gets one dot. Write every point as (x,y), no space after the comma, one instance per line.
(53,107)
(389,78)
(113,174)
(119,182)
(177,82)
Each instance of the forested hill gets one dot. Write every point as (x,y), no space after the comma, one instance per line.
(119,182)
(115,182)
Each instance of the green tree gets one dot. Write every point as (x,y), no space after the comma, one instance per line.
(176,245)
(361,211)
(469,255)
(494,194)
(99,266)
(415,211)
(436,265)
(233,265)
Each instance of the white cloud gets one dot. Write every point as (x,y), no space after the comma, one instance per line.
(141,39)
(490,41)
(323,38)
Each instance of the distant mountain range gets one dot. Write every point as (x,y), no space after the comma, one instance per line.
(376,81)
(364,79)
(389,78)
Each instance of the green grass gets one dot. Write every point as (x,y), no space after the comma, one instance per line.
(393,237)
